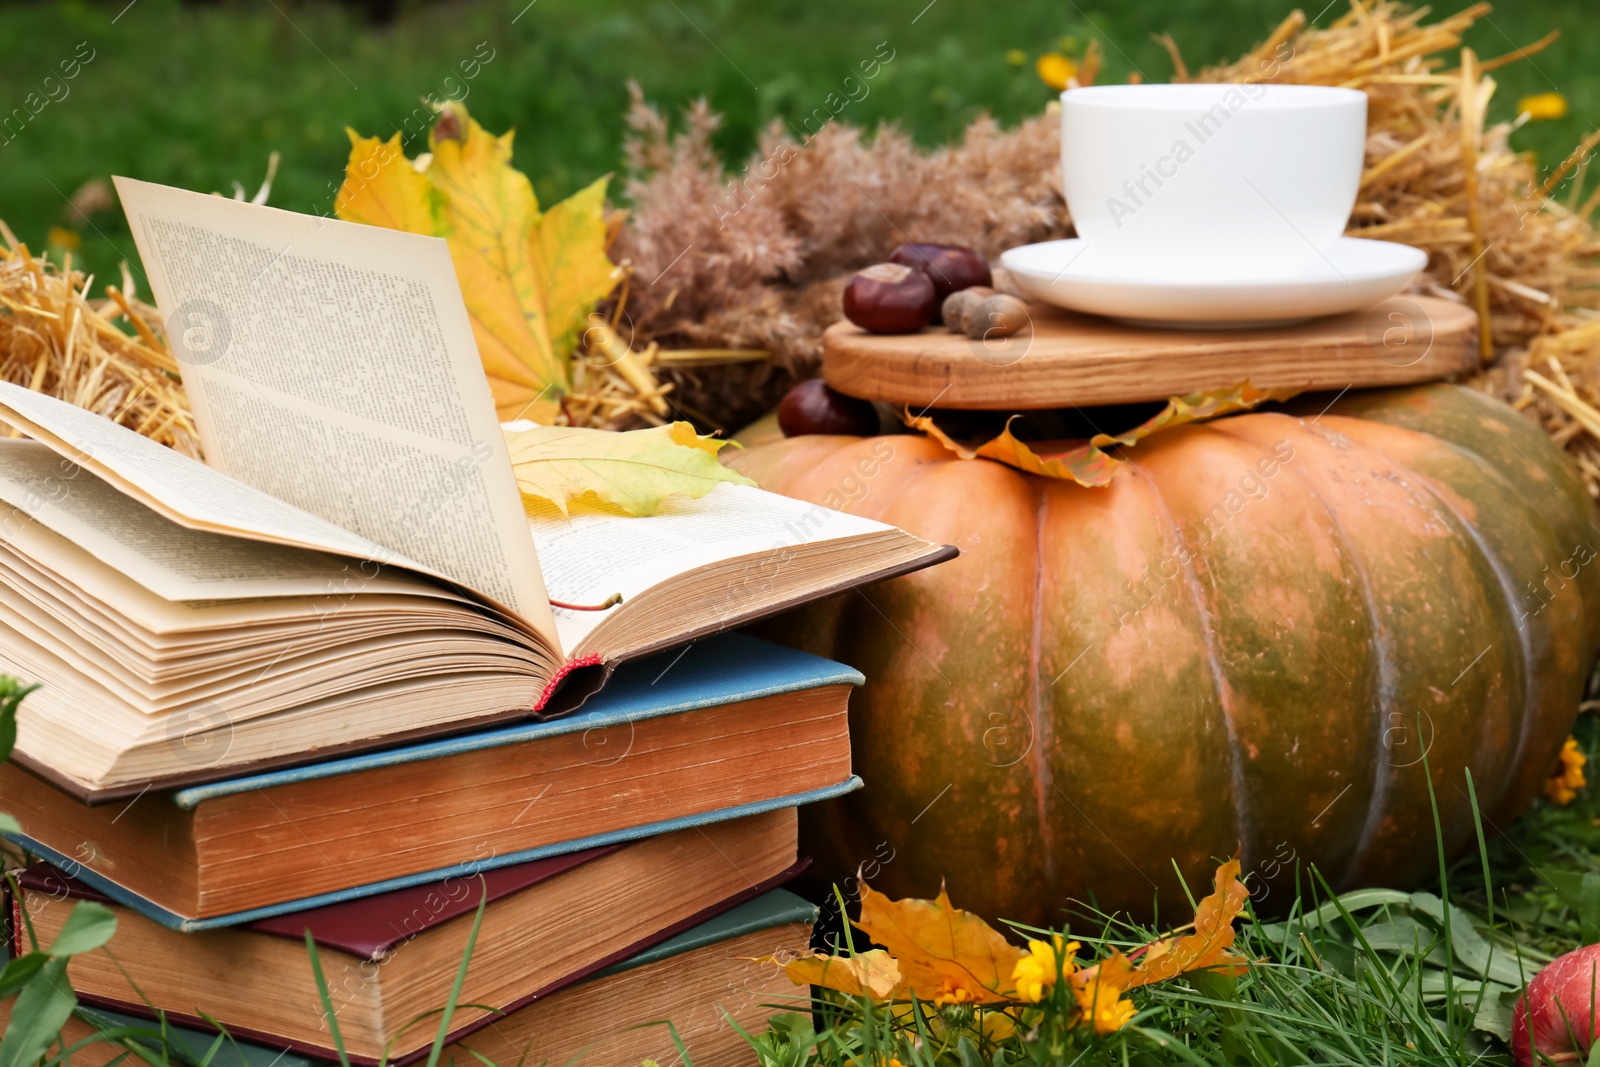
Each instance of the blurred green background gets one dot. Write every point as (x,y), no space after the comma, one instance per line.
(198,94)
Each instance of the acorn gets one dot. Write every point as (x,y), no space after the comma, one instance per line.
(889,298)
(998,315)
(959,304)
(950,267)
(813,407)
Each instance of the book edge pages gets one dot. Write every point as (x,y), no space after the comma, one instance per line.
(186,924)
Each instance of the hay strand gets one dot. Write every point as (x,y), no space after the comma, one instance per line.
(55,340)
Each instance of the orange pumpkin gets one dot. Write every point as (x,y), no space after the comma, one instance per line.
(1254,640)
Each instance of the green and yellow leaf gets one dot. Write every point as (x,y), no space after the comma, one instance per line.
(634,471)
(572,256)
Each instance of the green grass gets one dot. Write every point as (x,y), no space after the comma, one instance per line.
(1373,977)
(199,95)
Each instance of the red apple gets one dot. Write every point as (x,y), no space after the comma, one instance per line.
(1554,1014)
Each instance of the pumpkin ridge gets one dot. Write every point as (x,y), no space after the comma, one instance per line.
(1490,421)
(1531,683)
(1151,742)
(1042,781)
(1241,816)
(1380,643)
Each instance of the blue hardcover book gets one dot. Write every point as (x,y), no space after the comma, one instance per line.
(723,728)
(694,980)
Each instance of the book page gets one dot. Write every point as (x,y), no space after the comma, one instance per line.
(183,489)
(171,561)
(592,554)
(332,365)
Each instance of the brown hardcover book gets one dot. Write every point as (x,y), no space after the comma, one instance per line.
(698,982)
(701,981)
(724,728)
(390,959)
(353,562)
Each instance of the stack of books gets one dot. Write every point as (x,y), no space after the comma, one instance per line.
(659,817)
(325,694)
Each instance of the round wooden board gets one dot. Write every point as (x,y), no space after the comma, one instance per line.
(1073,360)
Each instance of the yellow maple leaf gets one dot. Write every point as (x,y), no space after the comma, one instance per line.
(946,955)
(871,974)
(528,278)
(382,188)
(634,471)
(491,219)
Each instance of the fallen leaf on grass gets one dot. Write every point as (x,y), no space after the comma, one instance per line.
(634,471)
(937,953)
(1207,947)
(872,974)
(946,955)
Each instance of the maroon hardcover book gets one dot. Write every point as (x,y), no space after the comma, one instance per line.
(370,926)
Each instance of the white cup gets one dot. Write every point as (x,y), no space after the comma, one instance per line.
(1211,181)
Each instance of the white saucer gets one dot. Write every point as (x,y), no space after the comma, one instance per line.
(1353,274)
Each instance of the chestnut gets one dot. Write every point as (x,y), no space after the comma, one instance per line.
(889,298)
(950,267)
(812,407)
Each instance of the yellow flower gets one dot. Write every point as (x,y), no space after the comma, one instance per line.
(879,1059)
(1102,1004)
(1038,970)
(995,1026)
(61,237)
(1055,69)
(950,992)
(1567,777)
(1016,56)
(1543,106)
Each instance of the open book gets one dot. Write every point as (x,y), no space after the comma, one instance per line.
(352,564)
